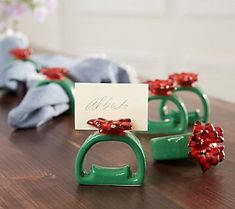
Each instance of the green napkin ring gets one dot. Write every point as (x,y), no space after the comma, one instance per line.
(66,84)
(23,54)
(170,147)
(170,124)
(194,115)
(36,65)
(10,62)
(117,176)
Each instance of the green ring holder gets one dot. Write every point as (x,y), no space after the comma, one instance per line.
(194,115)
(66,84)
(169,125)
(37,66)
(170,147)
(116,176)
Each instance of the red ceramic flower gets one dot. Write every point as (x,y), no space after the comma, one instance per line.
(21,53)
(116,127)
(161,87)
(203,143)
(54,73)
(184,79)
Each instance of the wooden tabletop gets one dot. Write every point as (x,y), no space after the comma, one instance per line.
(37,168)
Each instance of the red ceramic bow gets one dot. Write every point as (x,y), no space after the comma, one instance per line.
(116,127)
(203,143)
(21,53)
(161,87)
(54,73)
(184,79)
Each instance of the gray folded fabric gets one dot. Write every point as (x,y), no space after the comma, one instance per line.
(102,70)
(14,73)
(93,69)
(18,72)
(45,102)
(96,69)
(6,44)
(48,60)
(39,105)
(89,70)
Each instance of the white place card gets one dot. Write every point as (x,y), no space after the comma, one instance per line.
(112,102)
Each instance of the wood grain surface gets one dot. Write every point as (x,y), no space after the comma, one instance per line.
(37,168)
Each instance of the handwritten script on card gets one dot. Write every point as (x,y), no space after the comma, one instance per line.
(104,103)
(112,102)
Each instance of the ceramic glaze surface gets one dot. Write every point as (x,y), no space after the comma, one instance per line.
(116,176)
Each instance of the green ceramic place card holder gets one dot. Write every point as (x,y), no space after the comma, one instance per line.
(116,176)
(111,101)
(170,147)
(169,125)
(193,115)
(185,81)
(161,90)
(203,144)
(56,76)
